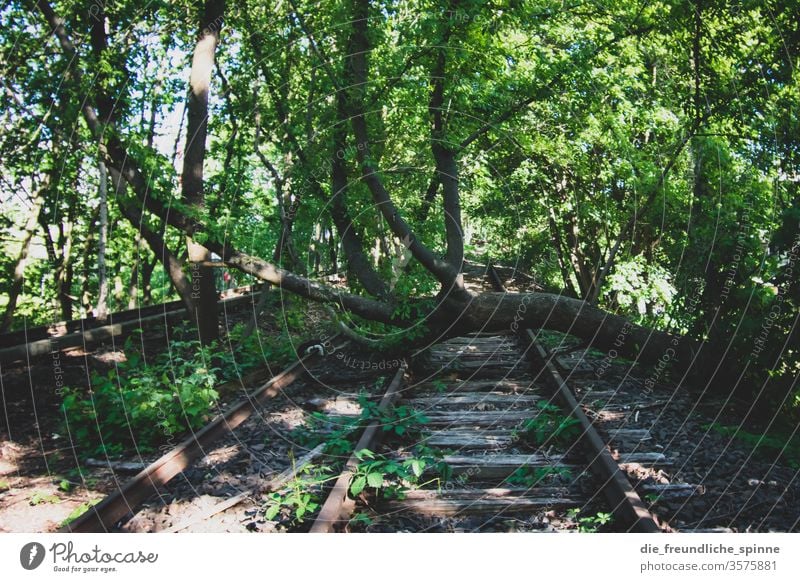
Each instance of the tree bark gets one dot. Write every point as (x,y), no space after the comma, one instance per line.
(358,49)
(18,277)
(64,271)
(204,293)
(446,168)
(172,265)
(101,309)
(358,265)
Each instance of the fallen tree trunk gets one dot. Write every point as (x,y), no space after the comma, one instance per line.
(602,330)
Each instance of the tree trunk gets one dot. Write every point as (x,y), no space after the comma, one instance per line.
(204,294)
(101,309)
(64,270)
(133,285)
(19,269)
(172,265)
(358,266)
(605,331)
(147,277)
(87,264)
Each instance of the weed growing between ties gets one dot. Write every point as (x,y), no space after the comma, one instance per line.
(376,477)
(549,426)
(527,476)
(590,523)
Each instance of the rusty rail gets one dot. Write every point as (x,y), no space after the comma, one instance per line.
(338,506)
(626,503)
(106,514)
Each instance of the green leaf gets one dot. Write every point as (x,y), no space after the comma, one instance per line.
(364,454)
(358,484)
(375,480)
(417,465)
(272,511)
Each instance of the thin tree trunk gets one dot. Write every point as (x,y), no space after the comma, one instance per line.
(358,265)
(101,309)
(133,285)
(555,233)
(64,270)
(172,265)
(147,277)
(88,265)
(19,268)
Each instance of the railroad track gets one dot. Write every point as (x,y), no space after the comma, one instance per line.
(479,433)
(483,400)
(475,404)
(125,501)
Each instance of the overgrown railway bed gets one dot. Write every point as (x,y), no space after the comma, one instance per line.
(457,449)
(479,433)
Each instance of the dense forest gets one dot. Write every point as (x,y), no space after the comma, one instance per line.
(637,158)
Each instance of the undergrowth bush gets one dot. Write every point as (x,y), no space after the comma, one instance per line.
(142,404)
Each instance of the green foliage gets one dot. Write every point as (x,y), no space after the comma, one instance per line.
(143,404)
(576,122)
(390,478)
(640,288)
(361,519)
(398,420)
(549,425)
(301,497)
(79,511)
(527,476)
(339,435)
(319,428)
(590,523)
(39,497)
(440,386)
(4,485)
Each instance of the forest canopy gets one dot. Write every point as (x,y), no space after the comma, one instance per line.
(638,159)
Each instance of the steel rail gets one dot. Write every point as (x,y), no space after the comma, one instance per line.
(104,516)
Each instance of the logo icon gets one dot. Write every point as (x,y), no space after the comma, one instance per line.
(31,555)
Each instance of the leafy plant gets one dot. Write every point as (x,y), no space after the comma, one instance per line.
(549,425)
(79,511)
(399,420)
(527,476)
(440,386)
(360,518)
(4,485)
(144,403)
(392,477)
(592,523)
(338,436)
(38,497)
(302,496)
